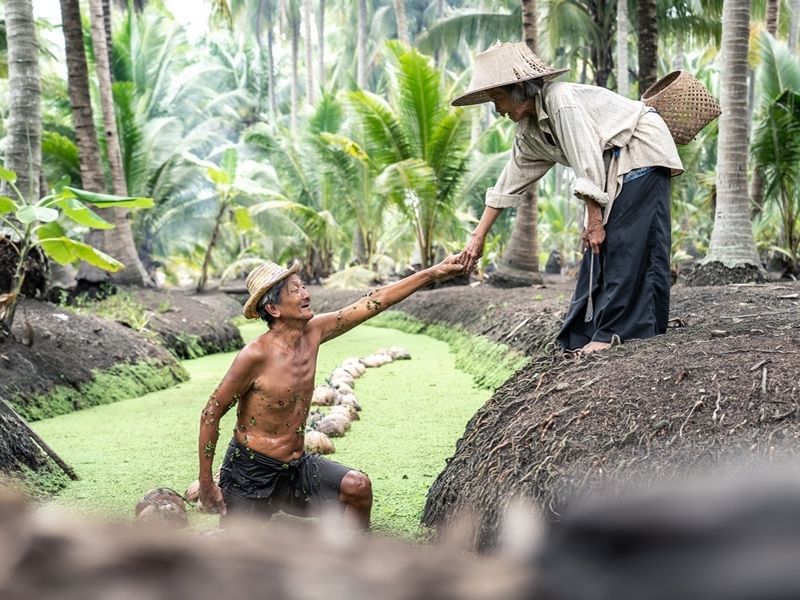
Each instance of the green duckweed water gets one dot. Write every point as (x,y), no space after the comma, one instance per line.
(413,414)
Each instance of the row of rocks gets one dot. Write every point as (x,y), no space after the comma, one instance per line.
(337,395)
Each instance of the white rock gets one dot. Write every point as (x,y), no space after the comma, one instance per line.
(342,387)
(323,396)
(399,353)
(349,400)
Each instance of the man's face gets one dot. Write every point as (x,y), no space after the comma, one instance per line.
(295,299)
(505,106)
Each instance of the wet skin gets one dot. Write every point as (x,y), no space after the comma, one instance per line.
(272,381)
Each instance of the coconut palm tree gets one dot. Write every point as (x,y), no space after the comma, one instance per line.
(361,45)
(117,242)
(520,265)
(23,148)
(303,184)
(321,45)
(91,165)
(402,21)
(794,21)
(732,252)
(647,26)
(23,142)
(776,144)
(290,14)
(773,10)
(622,47)
(308,17)
(419,142)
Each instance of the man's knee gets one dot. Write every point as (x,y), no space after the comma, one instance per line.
(356,488)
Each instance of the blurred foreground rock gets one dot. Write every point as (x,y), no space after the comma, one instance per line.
(723,541)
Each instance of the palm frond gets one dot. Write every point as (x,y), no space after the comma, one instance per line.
(416,86)
(134,161)
(386,140)
(477,28)
(60,157)
(780,69)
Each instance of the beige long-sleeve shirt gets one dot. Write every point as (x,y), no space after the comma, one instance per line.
(574,125)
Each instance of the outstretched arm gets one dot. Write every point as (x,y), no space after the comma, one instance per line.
(334,324)
(234,385)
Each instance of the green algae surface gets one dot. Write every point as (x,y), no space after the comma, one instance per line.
(413,413)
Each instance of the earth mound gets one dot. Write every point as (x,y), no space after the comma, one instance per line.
(722,387)
(60,361)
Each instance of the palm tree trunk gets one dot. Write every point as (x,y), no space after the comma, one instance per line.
(773,10)
(521,260)
(647,19)
(23,152)
(402,21)
(361,46)
(520,264)
(530,29)
(732,246)
(308,15)
(24,137)
(107,27)
(295,33)
(91,164)
(117,242)
(258,27)
(622,48)
(757,183)
(201,284)
(273,105)
(794,25)
(439,8)
(321,45)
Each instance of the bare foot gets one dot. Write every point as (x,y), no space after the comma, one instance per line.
(594,347)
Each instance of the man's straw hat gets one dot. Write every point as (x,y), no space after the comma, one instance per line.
(259,282)
(503,64)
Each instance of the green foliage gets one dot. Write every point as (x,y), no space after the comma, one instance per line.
(43,484)
(419,143)
(776,141)
(187,346)
(35,225)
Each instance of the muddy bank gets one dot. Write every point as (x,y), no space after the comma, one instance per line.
(526,319)
(722,387)
(192,325)
(61,361)
(719,390)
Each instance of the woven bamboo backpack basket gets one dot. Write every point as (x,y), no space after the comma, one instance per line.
(684,103)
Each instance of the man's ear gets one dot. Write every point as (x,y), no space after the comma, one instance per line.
(273,309)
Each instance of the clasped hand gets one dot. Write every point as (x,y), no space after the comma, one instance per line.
(593,236)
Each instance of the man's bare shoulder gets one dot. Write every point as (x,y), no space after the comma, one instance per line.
(255,351)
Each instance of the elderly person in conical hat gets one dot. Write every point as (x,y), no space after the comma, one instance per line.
(623,157)
(265,468)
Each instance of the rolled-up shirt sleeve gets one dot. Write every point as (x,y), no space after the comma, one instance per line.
(579,143)
(521,171)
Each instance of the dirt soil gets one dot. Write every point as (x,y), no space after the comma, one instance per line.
(721,389)
(526,319)
(55,347)
(191,325)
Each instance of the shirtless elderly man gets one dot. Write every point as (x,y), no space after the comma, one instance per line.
(272,379)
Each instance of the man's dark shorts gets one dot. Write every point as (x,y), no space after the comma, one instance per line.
(254,484)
